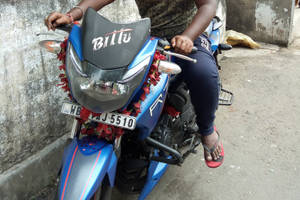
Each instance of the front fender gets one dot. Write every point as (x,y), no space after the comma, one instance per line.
(86,162)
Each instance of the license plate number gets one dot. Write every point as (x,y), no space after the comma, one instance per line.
(115,119)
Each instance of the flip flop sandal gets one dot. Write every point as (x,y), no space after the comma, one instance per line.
(219,161)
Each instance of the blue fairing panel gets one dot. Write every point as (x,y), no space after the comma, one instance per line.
(147,50)
(152,106)
(209,28)
(155,171)
(214,38)
(75,39)
(86,163)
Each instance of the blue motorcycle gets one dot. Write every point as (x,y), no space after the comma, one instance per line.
(128,126)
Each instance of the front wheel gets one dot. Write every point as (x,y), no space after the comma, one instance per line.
(104,191)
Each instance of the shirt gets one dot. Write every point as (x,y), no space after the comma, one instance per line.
(168,17)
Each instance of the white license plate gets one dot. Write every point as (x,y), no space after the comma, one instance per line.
(115,119)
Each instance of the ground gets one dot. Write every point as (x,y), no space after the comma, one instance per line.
(260,133)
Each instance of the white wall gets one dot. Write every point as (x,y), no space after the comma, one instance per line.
(264,20)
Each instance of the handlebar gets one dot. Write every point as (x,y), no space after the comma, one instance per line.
(194,49)
(67,27)
(169,53)
(165,45)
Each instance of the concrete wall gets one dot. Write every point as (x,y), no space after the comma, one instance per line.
(265,20)
(29,100)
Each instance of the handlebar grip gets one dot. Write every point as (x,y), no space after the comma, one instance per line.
(194,49)
(65,27)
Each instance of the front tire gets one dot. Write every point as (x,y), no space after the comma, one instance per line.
(104,191)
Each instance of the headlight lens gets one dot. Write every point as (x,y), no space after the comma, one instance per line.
(91,87)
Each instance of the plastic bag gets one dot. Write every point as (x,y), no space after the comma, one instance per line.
(239,39)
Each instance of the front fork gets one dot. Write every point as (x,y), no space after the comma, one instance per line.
(75,131)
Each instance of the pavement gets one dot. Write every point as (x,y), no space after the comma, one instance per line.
(260,133)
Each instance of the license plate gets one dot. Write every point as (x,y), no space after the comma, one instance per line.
(115,119)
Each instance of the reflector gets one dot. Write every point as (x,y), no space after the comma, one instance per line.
(53,46)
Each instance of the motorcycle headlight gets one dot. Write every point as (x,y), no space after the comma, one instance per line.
(76,61)
(102,90)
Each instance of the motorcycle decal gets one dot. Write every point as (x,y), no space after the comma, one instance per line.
(70,167)
(156,102)
(87,183)
(214,39)
(110,39)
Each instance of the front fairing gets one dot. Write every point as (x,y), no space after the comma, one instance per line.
(109,99)
(106,103)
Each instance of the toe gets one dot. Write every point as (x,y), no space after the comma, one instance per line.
(219,150)
(208,157)
(210,141)
(215,155)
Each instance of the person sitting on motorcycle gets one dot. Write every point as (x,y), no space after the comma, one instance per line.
(183,22)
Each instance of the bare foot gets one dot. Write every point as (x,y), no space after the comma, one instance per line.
(210,141)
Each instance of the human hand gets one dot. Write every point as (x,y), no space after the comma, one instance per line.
(182,44)
(56,19)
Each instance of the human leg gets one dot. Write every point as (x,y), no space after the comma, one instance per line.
(202,80)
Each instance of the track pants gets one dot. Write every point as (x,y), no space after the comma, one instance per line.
(202,79)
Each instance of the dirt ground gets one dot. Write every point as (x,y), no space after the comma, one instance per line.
(260,133)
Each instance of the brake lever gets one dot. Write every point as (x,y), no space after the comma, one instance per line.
(169,53)
(50,34)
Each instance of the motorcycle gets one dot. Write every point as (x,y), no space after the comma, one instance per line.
(128,126)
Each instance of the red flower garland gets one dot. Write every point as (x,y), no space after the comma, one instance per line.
(103,130)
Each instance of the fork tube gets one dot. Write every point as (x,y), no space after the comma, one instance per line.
(117,146)
(75,128)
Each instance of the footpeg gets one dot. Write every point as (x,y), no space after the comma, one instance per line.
(225,98)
